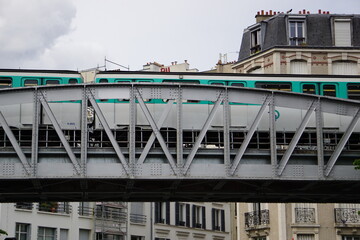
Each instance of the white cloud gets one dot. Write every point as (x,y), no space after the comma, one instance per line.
(28,28)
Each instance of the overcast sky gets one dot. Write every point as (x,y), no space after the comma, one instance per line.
(78,34)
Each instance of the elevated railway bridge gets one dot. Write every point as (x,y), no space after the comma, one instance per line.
(164,142)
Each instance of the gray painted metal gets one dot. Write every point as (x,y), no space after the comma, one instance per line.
(177,172)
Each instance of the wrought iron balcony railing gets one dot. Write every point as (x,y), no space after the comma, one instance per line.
(55,207)
(347,215)
(85,211)
(305,215)
(257,218)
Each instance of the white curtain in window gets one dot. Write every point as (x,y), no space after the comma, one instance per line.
(64,234)
(305,237)
(342,33)
(298,67)
(344,68)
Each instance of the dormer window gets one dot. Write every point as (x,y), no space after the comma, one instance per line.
(342,28)
(255,41)
(296,32)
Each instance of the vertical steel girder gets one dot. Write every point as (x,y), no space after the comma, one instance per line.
(203,131)
(226,132)
(35,132)
(108,132)
(157,133)
(84,131)
(249,135)
(319,140)
(296,138)
(179,130)
(334,157)
(15,144)
(273,152)
(60,133)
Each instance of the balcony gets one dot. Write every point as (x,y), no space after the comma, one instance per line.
(257,219)
(305,215)
(137,218)
(55,207)
(347,216)
(24,205)
(85,211)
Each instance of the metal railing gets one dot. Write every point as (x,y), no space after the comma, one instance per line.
(24,205)
(305,215)
(85,211)
(137,218)
(257,218)
(55,207)
(347,215)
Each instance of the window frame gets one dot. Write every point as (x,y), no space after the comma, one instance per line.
(6,82)
(19,232)
(296,38)
(255,40)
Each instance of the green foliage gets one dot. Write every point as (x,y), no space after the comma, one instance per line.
(357,163)
(2,232)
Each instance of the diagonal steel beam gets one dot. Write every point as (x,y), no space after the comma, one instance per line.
(249,135)
(152,138)
(15,144)
(203,131)
(108,132)
(284,160)
(157,133)
(60,133)
(334,157)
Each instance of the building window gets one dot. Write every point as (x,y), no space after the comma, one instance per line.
(22,231)
(64,234)
(137,213)
(45,233)
(137,237)
(296,33)
(344,68)
(255,41)
(182,214)
(259,238)
(84,234)
(162,212)
(357,237)
(218,219)
(305,237)
(298,67)
(198,217)
(85,209)
(342,32)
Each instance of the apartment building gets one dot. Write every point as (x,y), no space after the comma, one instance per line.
(116,221)
(299,43)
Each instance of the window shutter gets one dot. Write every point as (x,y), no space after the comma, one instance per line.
(342,33)
(188,215)
(168,213)
(203,218)
(193,216)
(213,219)
(177,214)
(223,220)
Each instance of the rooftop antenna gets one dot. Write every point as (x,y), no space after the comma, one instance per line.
(107,60)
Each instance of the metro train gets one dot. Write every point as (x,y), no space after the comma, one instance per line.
(347,87)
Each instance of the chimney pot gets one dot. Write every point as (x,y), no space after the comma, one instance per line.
(319,11)
(327,12)
(299,12)
(258,13)
(270,12)
(262,12)
(308,12)
(304,11)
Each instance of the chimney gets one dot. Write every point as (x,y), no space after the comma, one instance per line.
(185,61)
(319,11)
(262,15)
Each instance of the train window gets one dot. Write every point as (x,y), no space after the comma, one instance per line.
(274,86)
(122,81)
(309,88)
(181,81)
(353,90)
(5,82)
(52,82)
(103,80)
(31,82)
(73,81)
(235,84)
(329,90)
(217,83)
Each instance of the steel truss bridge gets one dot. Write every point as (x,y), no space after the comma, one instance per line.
(312,163)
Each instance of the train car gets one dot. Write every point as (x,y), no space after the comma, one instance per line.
(347,87)
(21,115)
